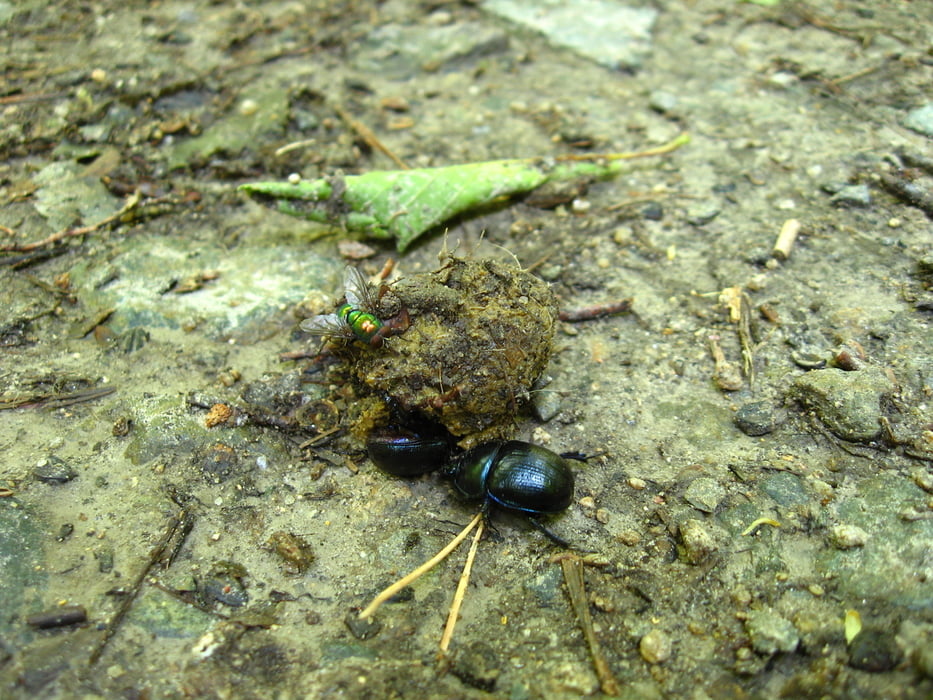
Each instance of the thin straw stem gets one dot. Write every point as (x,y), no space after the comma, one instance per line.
(420,571)
(461,592)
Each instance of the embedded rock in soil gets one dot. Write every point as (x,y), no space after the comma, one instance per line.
(771,633)
(848,403)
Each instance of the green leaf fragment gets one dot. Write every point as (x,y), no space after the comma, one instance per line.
(403,204)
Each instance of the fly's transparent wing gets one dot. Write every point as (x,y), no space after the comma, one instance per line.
(359,292)
(326,326)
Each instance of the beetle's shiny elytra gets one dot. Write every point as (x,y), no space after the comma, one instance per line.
(406,454)
(516,476)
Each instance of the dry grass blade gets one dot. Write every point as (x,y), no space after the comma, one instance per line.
(461,592)
(420,571)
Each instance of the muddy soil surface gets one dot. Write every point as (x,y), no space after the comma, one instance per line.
(757,515)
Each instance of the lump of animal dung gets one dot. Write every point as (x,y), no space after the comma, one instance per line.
(481,334)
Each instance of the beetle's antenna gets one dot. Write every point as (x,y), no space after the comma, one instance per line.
(420,571)
(461,590)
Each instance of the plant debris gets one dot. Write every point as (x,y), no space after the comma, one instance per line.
(404,204)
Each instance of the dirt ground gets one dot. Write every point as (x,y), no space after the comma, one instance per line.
(757,520)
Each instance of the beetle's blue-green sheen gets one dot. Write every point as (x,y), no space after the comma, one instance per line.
(516,476)
(513,475)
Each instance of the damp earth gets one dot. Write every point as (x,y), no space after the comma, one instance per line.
(186,505)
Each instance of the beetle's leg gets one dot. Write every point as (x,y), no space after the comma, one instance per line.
(492,530)
(580,456)
(556,539)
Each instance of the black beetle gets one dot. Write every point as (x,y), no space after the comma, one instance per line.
(513,475)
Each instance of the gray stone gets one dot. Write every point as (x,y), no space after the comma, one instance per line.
(755,418)
(848,403)
(66,197)
(785,488)
(852,196)
(254,282)
(700,213)
(874,650)
(771,633)
(610,34)
(663,101)
(921,119)
(54,470)
(546,404)
(704,494)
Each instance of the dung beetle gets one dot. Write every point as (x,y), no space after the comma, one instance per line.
(512,475)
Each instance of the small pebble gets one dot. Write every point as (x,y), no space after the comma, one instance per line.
(662,101)
(921,119)
(847,536)
(54,470)
(622,235)
(249,107)
(874,650)
(771,633)
(701,212)
(698,541)
(652,211)
(852,196)
(395,103)
(655,647)
(362,629)
(755,418)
